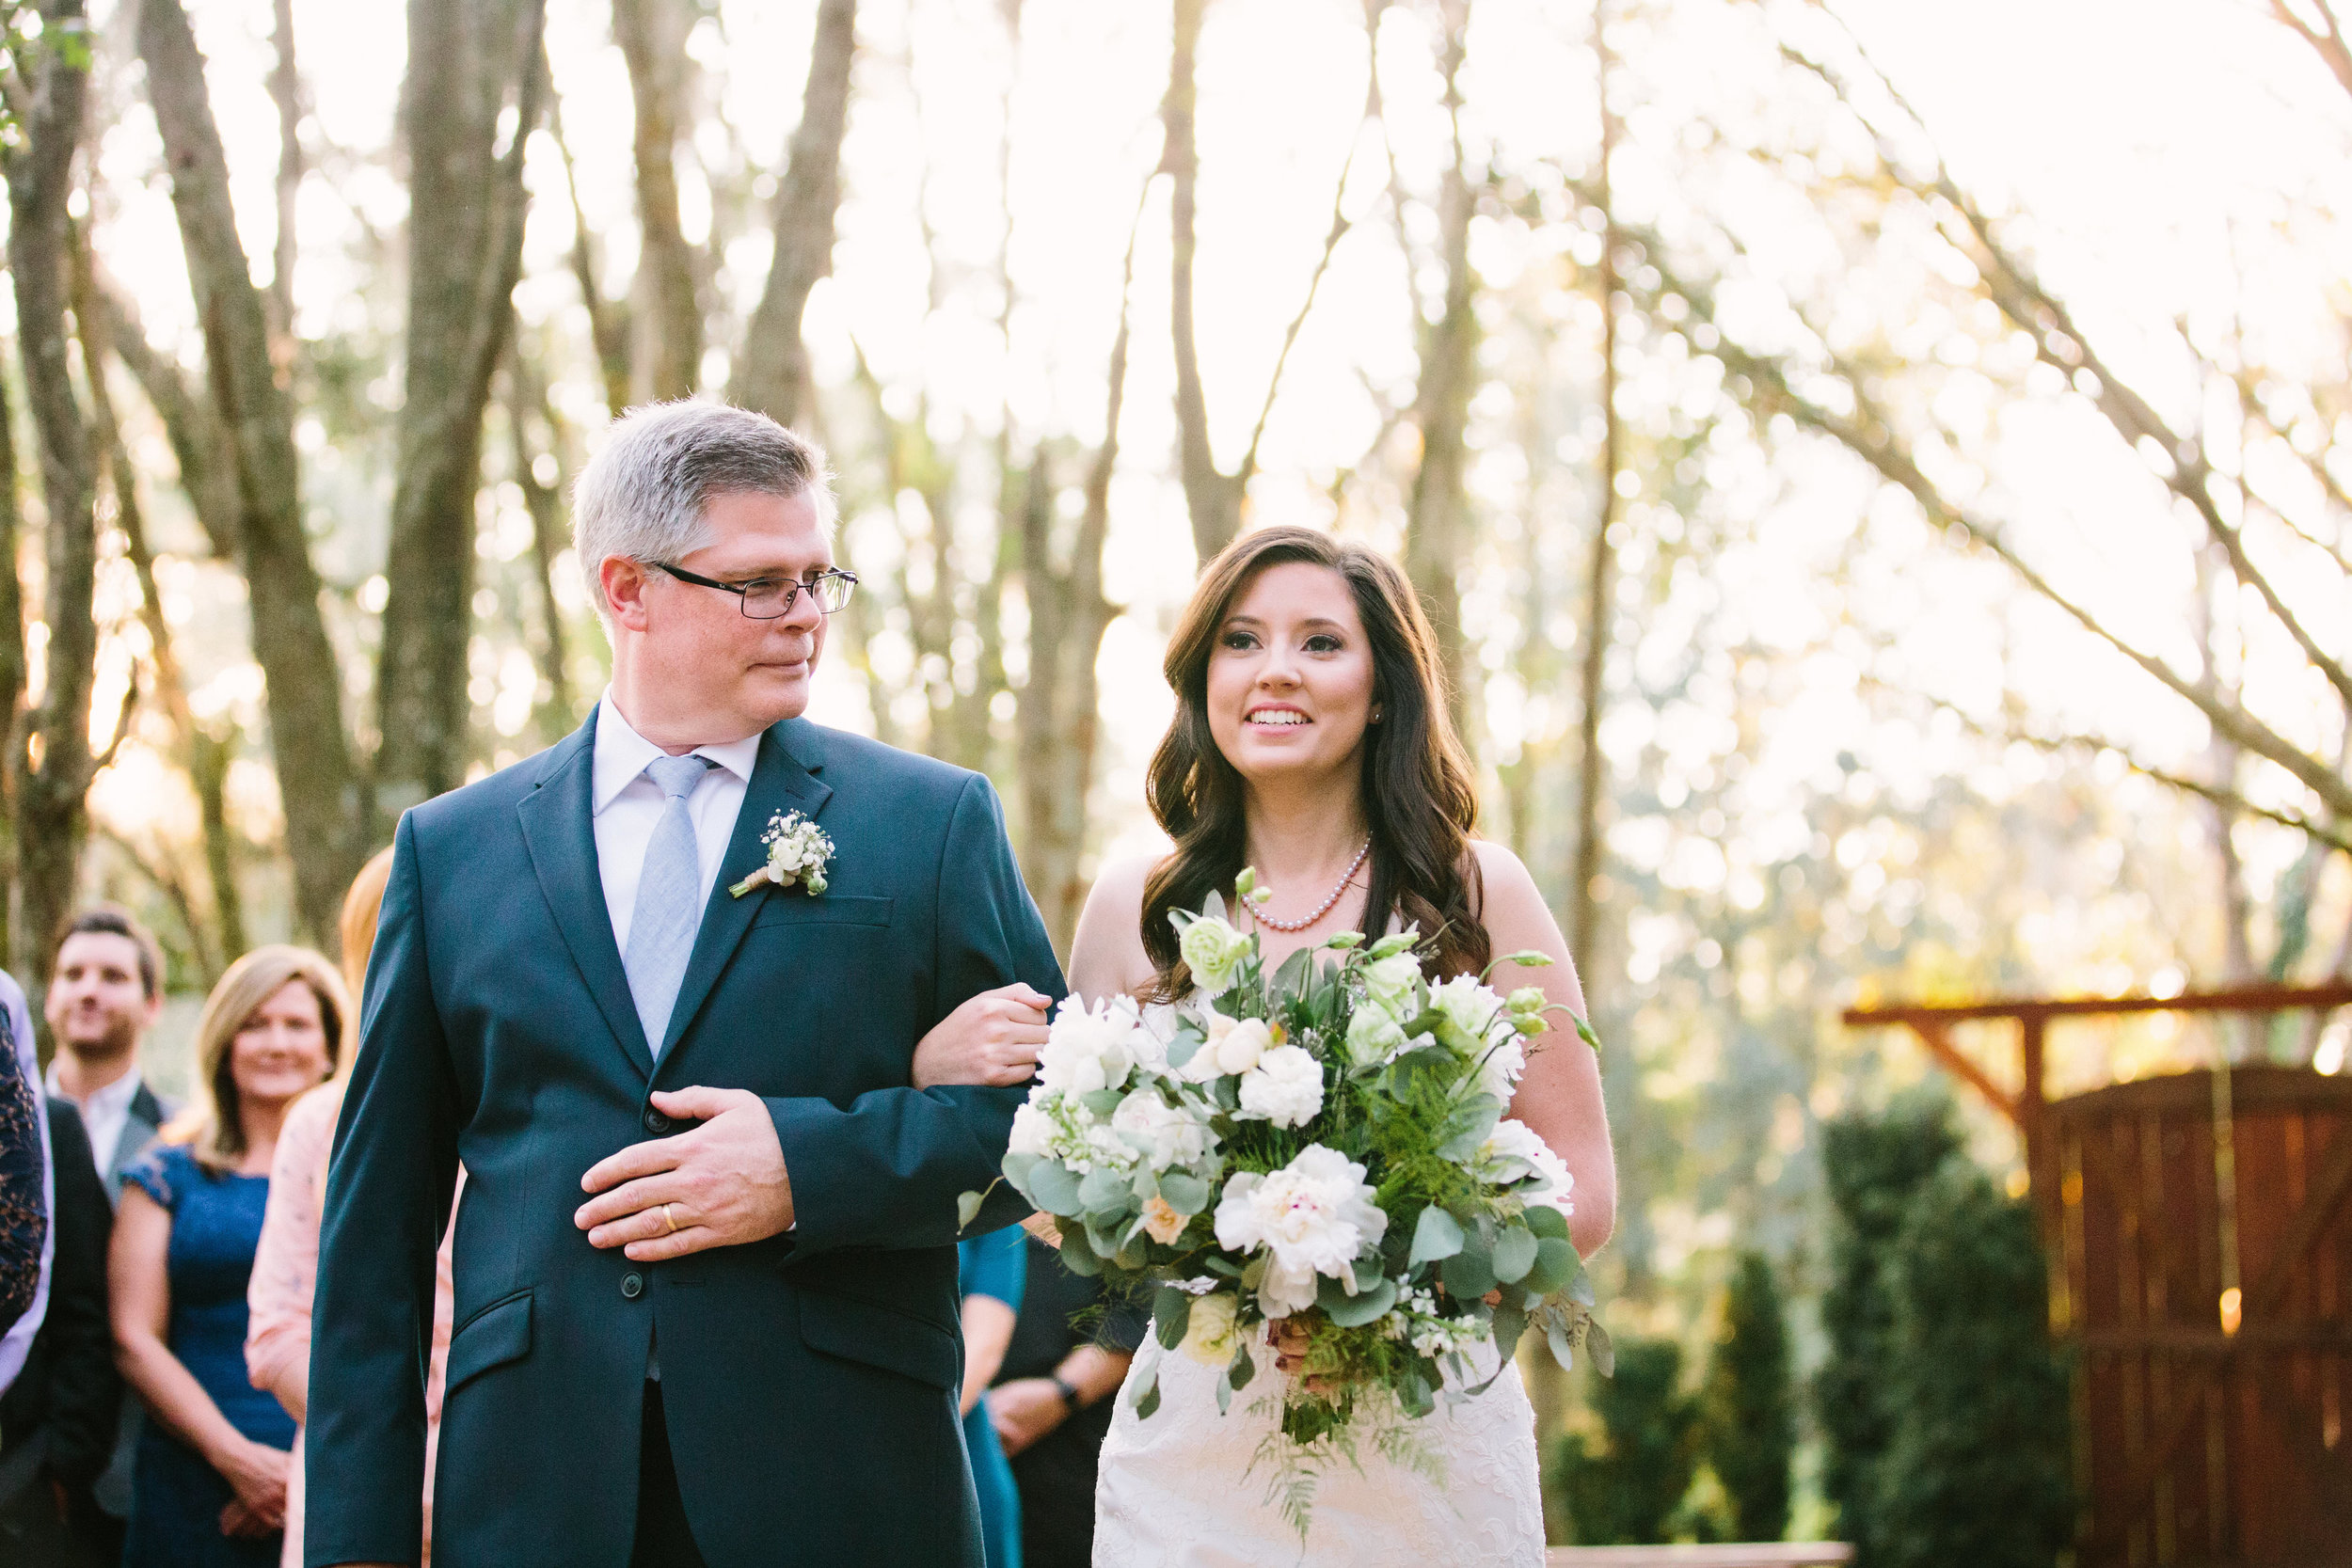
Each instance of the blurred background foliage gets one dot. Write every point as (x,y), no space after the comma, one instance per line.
(1879,473)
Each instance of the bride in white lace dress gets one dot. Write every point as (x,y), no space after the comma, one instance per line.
(1310,741)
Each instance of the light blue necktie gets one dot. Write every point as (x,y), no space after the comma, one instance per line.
(669,900)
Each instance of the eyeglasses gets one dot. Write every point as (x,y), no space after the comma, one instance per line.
(772,598)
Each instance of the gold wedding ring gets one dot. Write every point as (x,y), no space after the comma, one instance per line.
(669,1219)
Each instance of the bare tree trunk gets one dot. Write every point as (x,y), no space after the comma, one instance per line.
(668,317)
(1210,494)
(208,469)
(1068,618)
(285,88)
(51,820)
(608,320)
(220,938)
(317,781)
(469,62)
(773,370)
(1601,567)
(528,399)
(1437,530)
(12,676)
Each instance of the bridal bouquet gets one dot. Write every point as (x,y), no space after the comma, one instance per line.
(1324,1146)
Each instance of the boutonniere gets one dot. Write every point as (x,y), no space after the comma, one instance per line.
(797,852)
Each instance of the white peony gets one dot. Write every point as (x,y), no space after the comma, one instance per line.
(1311,1217)
(1089,1049)
(1389,982)
(1165,1135)
(1032,1132)
(1499,1070)
(1520,1151)
(1285,1088)
(1239,1047)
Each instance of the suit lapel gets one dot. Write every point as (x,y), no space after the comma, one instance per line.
(782,779)
(559,829)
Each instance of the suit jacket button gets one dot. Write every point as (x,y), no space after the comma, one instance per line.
(632,1285)
(656,1121)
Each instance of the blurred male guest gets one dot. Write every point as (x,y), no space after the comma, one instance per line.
(736,1344)
(105,992)
(58,1420)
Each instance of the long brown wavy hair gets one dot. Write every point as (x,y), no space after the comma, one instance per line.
(1418,798)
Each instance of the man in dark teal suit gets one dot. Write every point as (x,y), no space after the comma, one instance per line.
(705,1279)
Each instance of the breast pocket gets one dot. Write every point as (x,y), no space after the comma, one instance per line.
(792,907)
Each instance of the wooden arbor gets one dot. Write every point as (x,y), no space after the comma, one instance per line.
(2202,1241)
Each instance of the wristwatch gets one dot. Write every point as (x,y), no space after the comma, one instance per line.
(1070,1402)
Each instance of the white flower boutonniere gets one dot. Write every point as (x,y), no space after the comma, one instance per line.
(797,852)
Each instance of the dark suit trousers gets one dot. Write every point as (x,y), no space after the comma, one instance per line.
(663,1539)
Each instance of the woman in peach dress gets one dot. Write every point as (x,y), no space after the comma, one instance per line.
(285,1267)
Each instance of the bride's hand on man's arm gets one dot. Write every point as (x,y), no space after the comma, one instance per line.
(993,1039)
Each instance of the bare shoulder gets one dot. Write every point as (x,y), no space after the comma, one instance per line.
(1504,883)
(1107,955)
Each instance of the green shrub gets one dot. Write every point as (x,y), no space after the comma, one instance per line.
(1874,1166)
(1626,1492)
(1751,1417)
(1978,1470)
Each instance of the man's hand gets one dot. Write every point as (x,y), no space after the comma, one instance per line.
(722,1184)
(992,1038)
(1024,1409)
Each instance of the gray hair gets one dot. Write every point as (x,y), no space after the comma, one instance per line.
(644,495)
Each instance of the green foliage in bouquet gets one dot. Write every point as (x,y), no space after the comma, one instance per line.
(1625,1490)
(1750,1404)
(1326,1144)
(1979,1468)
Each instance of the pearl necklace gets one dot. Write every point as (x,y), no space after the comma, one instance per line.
(1321,909)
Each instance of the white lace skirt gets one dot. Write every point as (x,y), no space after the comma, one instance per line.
(1178,1491)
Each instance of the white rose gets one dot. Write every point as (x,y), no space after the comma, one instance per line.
(1390,983)
(1311,1217)
(1374,1038)
(1285,1087)
(1240,1046)
(1209,1334)
(1213,951)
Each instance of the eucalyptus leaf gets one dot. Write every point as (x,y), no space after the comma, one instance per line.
(1101,1101)
(1290,979)
(1413,1392)
(1510,1324)
(1469,1274)
(1514,1254)
(1224,1390)
(1364,1306)
(1077,1255)
(1557,1338)
(1184,1192)
(1053,1187)
(1149,1399)
(1104,1192)
(967,1210)
(1213,907)
(1556,1261)
(1220,1265)
(1437,1236)
(1017,1167)
(1253,1273)
(1189,1040)
(1545,1219)
(1603,1350)
(1240,1369)
(1171,1315)
(1469,1125)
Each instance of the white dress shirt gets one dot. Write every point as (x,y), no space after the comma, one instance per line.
(104,1113)
(18,1342)
(627,805)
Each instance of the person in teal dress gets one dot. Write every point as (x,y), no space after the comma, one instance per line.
(992,1270)
(209,1485)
